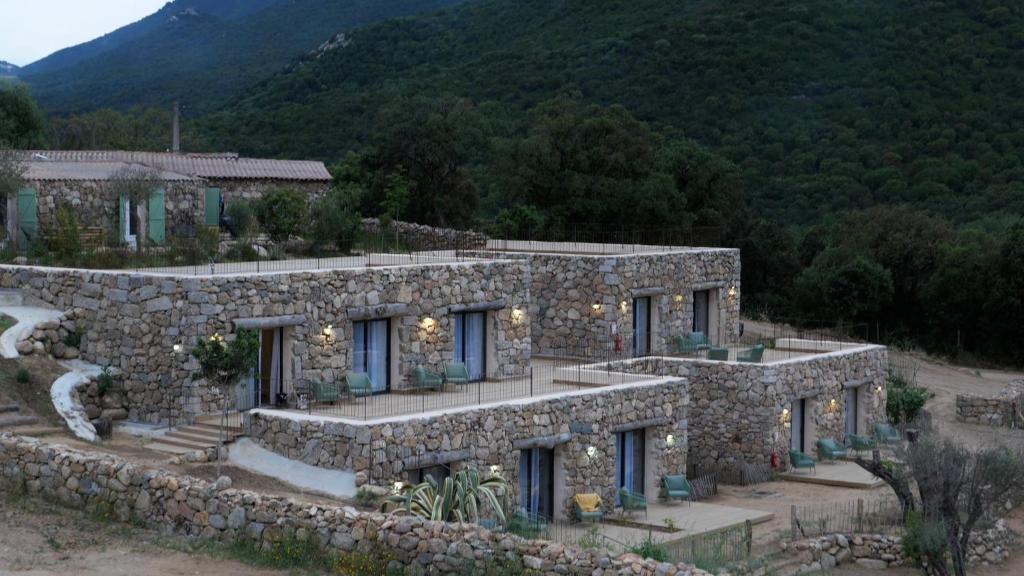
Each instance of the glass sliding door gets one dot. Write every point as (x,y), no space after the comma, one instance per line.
(852,410)
(641,326)
(796,425)
(537,481)
(700,311)
(471,343)
(372,352)
(269,378)
(629,461)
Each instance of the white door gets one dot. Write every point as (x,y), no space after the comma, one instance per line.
(796,423)
(131,225)
(852,410)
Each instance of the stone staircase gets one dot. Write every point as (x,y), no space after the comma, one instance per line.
(199,436)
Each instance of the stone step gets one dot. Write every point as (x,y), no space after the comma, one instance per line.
(8,408)
(199,436)
(215,429)
(39,431)
(10,421)
(169,448)
(190,445)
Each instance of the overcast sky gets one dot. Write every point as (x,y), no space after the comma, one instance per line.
(32,29)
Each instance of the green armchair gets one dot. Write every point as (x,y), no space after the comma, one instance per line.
(677,487)
(588,507)
(631,501)
(753,355)
(720,354)
(692,343)
(456,373)
(328,392)
(860,443)
(424,379)
(887,434)
(359,384)
(799,460)
(829,449)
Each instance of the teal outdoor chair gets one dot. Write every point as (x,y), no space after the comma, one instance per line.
(325,392)
(860,443)
(720,354)
(456,373)
(359,385)
(753,355)
(631,501)
(692,343)
(798,460)
(424,379)
(887,434)
(829,449)
(677,487)
(588,507)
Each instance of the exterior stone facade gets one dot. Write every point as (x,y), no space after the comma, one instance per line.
(382,452)
(214,511)
(739,411)
(586,301)
(134,322)
(1005,409)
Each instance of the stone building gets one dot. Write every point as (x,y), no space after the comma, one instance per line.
(189,191)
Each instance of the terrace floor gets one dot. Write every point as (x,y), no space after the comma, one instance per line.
(840,473)
(371,260)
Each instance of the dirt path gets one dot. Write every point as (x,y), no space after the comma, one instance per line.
(39,539)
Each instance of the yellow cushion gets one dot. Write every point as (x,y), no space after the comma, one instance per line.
(588,502)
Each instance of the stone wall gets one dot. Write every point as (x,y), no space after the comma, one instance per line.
(421,237)
(736,413)
(1005,409)
(252,190)
(382,452)
(132,322)
(186,506)
(879,551)
(566,288)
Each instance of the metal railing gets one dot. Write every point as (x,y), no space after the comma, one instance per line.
(877,516)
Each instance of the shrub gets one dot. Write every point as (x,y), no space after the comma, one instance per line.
(282,213)
(104,382)
(923,538)
(241,218)
(650,549)
(335,221)
(22,376)
(367,498)
(518,223)
(66,239)
(73,339)
(905,401)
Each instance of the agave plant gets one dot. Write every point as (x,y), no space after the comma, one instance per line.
(458,499)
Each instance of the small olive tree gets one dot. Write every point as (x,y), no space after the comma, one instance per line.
(945,488)
(134,182)
(222,364)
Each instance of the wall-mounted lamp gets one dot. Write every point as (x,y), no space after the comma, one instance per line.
(495,469)
(216,337)
(176,348)
(670,441)
(591,452)
(329,334)
(596,306)
(428,323)
(679,298)
(878,389)
(397,487)
(833,406)
(786,417)
(517,315)
(732,293)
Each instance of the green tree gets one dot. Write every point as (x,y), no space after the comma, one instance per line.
(22,125)
(843,285)
(335,221)
(282,213)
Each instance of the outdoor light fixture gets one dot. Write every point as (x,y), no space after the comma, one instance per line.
(329,333)
(176,348)
(397,487)
(670,441)
(732,292)
(879,389)
(591,452)
(517,315)
(596,306)
(495,469)
(216,337)
(786,418)
(428,323)
(679,298)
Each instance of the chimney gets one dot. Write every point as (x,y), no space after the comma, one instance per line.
(176,130)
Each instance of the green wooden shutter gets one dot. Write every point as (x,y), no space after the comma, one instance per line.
(28,216)
(213,207)
(122,221)
(157,217)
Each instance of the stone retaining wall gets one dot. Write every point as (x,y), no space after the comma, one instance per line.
(422,237)
(183,505)
(1005,409)
(736,413)
(383,452)
(132,322)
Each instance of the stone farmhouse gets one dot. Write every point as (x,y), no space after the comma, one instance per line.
(584,367)
(188,191)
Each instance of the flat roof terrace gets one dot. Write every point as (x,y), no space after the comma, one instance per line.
(588,248)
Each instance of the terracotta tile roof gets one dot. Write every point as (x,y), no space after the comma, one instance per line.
(91,171)
(225,166)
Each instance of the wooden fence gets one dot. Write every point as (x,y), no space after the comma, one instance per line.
(713,550)
(882,516)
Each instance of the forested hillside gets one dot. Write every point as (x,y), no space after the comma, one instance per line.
(200,52)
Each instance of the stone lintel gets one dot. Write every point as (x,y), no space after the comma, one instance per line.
(662,421)
(270,322)
(436,458)
(548,442)
(646,292)
(375,312)
(856,383)
(478,307)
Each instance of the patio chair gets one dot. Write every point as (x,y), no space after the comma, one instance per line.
(692,343)
(720,354)
(426,380)
(860,443)
(631,501)
(887,434)
(359,385)
(799,460)
(456,373)
(753,355)
(325,392)
(677,487)
(829,449)
(588,507)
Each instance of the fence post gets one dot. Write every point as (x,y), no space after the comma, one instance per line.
(792,521)
(748,534)
(860,515)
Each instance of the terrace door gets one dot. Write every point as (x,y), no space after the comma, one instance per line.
(797,440)
(372,354)
(537,481)
(471,343)
(700,311)
(852,409)
(641,326)
(629,461)
(271,372)
(129,221)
